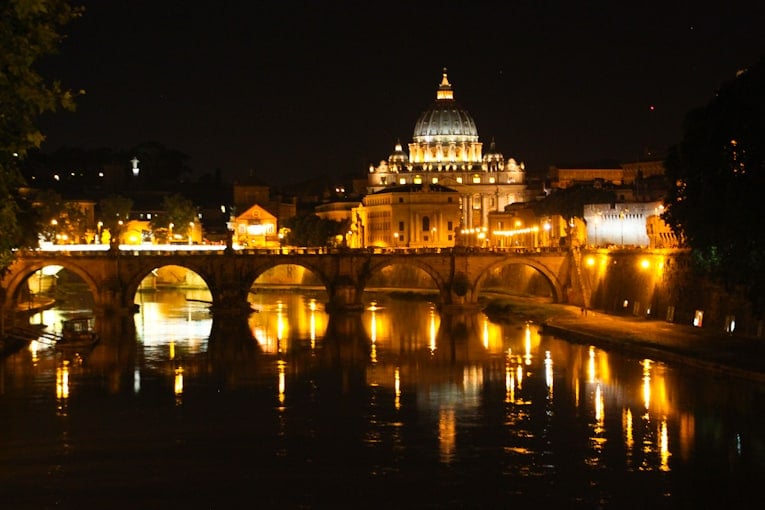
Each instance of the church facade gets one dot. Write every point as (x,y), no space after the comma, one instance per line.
(446,151)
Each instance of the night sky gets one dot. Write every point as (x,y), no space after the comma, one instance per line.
(294,90)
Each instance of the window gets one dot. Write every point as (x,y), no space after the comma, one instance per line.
(449,226)
(400,200)
(401,226)
(425,224)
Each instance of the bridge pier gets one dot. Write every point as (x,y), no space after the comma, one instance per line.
(345,297)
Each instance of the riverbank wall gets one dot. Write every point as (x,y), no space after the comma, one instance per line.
(661,284)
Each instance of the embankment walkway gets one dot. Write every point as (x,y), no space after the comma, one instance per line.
(728,355)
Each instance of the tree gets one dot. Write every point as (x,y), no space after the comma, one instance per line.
(716,176)
(178,211)
(59,220)
(311,230)
(29,30)
(570,202)
(115,211)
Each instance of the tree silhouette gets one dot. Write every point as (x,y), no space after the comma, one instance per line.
(28,32)
(716,176)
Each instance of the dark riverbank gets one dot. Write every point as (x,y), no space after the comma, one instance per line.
(727,355)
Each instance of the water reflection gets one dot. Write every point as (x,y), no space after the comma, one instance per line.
(399,394)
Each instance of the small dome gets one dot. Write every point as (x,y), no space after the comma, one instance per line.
(493,155)
(398,155)
(445,121)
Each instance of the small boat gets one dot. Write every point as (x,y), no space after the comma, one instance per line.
(77,333)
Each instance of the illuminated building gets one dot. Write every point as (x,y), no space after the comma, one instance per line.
(627,224)
(255,228)
(445,150)
(410,215)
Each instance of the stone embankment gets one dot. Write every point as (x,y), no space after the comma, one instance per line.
(726,354)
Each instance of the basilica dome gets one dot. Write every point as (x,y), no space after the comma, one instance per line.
(445,121)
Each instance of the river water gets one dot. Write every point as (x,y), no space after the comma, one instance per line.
(400,407)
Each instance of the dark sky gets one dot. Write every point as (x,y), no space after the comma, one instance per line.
(293,90)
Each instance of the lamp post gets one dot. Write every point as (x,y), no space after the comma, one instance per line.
(170,233)
(191,231)
(395,239)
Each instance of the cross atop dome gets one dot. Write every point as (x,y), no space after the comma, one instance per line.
(445,88)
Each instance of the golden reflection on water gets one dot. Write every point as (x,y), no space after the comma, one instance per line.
(178,384)
(447,435)
(282,383)
(62,381)
(400,332)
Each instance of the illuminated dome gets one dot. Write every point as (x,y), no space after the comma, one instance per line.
(445,121)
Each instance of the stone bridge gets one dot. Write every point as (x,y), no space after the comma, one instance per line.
(114,276)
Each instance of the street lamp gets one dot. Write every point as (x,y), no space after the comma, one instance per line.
(191,231)
(395,239)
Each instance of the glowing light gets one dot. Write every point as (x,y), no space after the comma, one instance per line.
(509,384)
(548,371)
(591,365)
(664,446)
(645,263)
(432,331)
(178,383)
(646,382)
(527,343)
(628,430)
(280,364)
(62,381)
(599,405)
(397,386)
(312,308)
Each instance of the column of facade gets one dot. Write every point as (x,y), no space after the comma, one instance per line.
(466,215)
(484,211)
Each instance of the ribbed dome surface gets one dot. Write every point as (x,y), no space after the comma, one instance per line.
(447,120)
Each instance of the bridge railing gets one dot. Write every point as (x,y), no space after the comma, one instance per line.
(217,249)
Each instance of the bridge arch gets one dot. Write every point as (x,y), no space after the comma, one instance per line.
(314,269)
(133,285)
(376,268)
(556,288)
(22,271)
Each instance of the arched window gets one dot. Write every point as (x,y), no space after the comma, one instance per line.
(425,224)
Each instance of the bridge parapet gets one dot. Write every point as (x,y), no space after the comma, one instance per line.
(114,276)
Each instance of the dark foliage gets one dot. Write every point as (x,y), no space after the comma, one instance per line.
(311,230)
(716,175)
(570,202)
